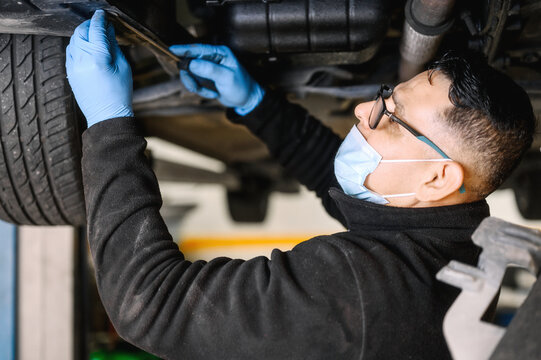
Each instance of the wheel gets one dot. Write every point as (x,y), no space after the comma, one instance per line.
(40,175)
(250,203)
(247,207)
(527,191)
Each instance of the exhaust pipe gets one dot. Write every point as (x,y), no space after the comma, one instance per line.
(426,23)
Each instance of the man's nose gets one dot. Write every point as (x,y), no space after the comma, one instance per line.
(362,112)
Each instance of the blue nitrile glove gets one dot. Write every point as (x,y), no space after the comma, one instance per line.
(236,88)
(98,72)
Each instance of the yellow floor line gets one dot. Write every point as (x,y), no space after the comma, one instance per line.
(201,243)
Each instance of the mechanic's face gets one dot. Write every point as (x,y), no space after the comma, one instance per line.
(419,103)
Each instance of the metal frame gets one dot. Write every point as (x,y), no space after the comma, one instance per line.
(8,291)
(504,244)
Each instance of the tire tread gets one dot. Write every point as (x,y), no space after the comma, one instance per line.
(39,146)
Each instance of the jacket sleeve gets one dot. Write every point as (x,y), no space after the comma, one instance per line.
(285,307)
(302,144)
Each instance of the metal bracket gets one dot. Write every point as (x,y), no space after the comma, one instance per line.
(504,244)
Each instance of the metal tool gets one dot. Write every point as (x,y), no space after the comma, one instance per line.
(181,63)
(504,244)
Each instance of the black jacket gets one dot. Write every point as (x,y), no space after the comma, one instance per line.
(366,293)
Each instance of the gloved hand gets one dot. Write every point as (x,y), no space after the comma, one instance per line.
(236,88)
(98,72)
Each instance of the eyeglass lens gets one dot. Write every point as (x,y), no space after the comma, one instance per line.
(376,113)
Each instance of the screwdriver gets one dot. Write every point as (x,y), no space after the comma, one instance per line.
(182,63)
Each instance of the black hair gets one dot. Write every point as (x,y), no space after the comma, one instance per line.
(492,115)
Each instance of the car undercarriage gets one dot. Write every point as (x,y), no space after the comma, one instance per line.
(326,55)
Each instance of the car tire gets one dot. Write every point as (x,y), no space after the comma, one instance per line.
(40,128)
(527,191)
(250,203)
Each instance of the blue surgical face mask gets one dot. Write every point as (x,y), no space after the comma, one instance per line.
(355,160)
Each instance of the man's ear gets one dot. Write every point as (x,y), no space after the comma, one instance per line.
(442,180)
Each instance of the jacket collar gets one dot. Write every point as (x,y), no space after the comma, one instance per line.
(360,214)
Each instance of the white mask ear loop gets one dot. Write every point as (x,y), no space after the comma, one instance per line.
(414,160)
(397,195)
(404,161)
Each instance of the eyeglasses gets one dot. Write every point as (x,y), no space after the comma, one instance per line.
(379,109)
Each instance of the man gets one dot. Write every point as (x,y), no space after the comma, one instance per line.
(412,176)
